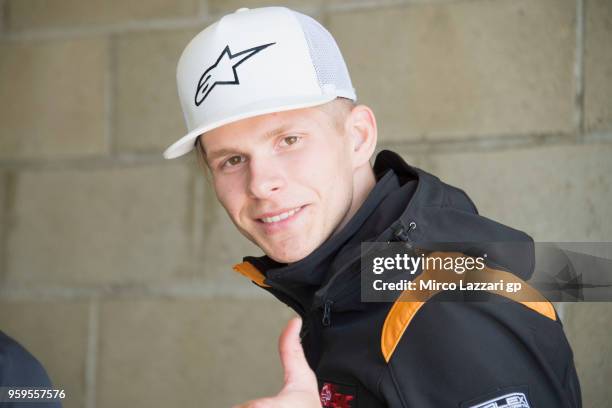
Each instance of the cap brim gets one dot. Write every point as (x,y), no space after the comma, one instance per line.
(185,144)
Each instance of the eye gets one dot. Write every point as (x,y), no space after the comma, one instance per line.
(289,140)
(233,161)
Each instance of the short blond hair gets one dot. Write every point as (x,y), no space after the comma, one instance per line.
(338,110)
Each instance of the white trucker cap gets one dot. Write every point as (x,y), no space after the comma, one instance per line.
(256,61)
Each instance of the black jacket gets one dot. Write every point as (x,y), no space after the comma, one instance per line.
(446,354)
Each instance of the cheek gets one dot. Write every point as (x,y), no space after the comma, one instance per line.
(340,181)
(230,196)
(309,171)
(319,163)
(326,172)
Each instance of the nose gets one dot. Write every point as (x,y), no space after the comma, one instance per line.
(265,178)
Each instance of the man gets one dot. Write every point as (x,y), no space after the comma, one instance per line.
(271,111)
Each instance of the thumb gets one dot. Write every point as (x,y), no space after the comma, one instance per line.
(298,374)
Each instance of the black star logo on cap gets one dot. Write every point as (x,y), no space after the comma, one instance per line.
(223,71)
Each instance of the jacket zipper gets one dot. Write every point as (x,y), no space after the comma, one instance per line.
(326,321)
(400,233)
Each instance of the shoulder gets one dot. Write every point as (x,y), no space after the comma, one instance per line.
(452,322)
(18,366)
(443,353)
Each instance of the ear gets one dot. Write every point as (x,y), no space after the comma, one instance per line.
(362,132)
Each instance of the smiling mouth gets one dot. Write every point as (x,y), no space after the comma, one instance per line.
(280,217)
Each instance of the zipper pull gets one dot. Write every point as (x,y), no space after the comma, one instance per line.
(327,313)
(403,234)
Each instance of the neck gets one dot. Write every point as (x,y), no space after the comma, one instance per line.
(363,182)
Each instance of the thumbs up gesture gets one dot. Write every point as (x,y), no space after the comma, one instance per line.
(300,389)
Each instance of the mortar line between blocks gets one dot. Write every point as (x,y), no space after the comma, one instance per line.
(482,143)
(598,137)
(166,291)
(92,351)
(579,72)
(111,94)
(478,143)
(373,4)
(3,24)
(7,195)
(61,33)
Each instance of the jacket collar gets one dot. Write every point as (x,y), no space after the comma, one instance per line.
(300,280)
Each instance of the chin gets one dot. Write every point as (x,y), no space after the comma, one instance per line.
(289,255)
(287,258)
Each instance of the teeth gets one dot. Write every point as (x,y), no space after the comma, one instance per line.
(280,217)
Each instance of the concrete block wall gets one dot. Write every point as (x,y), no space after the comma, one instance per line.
(115,265)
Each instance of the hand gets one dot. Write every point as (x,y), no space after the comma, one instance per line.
(300,389)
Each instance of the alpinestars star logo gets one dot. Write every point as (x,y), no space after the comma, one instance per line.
(223,71)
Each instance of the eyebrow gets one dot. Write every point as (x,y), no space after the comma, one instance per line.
(230,150)
(217,153)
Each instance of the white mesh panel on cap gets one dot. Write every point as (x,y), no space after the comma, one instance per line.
(326,57)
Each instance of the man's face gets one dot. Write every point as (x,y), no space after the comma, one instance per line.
(285,179)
